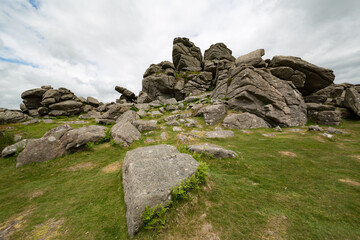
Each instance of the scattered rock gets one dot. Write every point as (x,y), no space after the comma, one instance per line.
(148,174)
(327,135)
(219,134)
(12,116)
(129,95)
(177,129)
(164,136)
(173,123)
(278,129)
(332,130)
(214,150)
(315,128)
(93,101)
(244,121)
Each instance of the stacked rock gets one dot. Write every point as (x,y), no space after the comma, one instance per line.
(52,102)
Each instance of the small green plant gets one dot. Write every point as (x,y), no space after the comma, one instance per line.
(134,108)
(154,218)
(113,143)
(106,138)
(90,145)
(229,81)
(225,98)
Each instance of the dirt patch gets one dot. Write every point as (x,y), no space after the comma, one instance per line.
(36,193)
(47,230)
(318,138)
(356,157)
(80,166)
(288,154)
(350,182)
(102,146)
(113,167)
(13,224)
(276,228)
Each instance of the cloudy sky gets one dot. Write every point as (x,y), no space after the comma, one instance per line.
(90,46)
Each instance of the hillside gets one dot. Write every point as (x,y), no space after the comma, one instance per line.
(294,184)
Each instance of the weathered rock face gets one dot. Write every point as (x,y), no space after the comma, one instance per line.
(11,116)
(244,121)
(159,81)
(148,174)
(186,56)
(316,77)
(128,116)
(258,92)
(115,111)
(253,58)
(75,139)
(352,100)
(58,142)
(196,83)
(218,51)
(46,148)
(213,113)
(126,93)
(67,107)
(211,149)
(124,133)
(145,125)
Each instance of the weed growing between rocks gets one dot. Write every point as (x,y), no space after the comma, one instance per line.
(6,139)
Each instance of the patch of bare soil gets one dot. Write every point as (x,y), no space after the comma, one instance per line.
(80,166)
(13,224)
(318,138)
(288,154)
(102,146)
(47,230)
(350,182)
(276,228)
(356,156)
(113,167)
(36,193)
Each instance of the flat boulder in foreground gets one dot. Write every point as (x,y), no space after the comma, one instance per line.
(148,174)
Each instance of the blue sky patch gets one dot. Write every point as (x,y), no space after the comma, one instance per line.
(17,61)
(35,3)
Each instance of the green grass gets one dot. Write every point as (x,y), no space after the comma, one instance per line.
(262,194)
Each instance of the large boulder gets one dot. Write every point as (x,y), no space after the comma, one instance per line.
(186,56)
(258,92)
(124,133)
(116,111)
(213,113)
(58,142)
(46,148)
(352,100)
(218,51)
(316,77)
(11,116)
(142,125)
(68,106)
(148,175)
(92,101)
(159,81)
(129,95)
(244,121)
(76,139)
(253,58)
(33,93)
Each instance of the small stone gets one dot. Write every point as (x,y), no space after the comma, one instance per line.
(315,128)
(177,129)
(334,130)
(327,135)
(219,134)
(278,129)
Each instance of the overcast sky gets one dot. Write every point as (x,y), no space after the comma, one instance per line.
(90,46)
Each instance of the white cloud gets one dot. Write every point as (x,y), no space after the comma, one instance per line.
(90,46)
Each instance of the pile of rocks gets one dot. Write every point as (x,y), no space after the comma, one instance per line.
(273,90)
(49,102)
